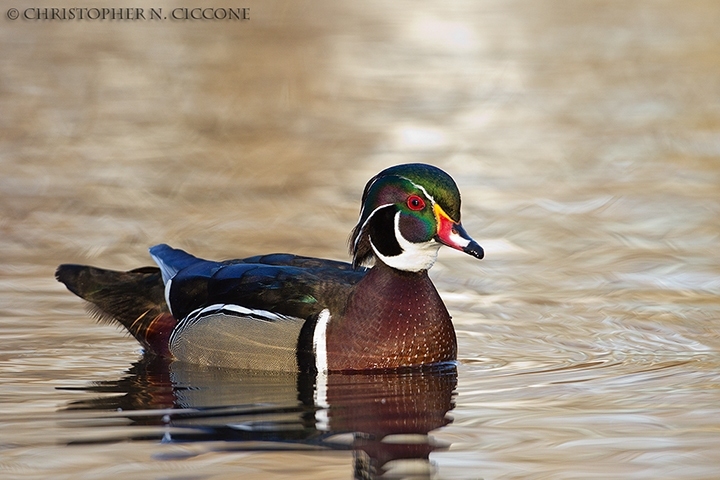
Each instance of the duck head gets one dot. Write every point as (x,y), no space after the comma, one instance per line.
(408,212)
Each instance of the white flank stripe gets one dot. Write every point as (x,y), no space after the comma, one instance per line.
(222,309)
(245,311)
(320,341)
(321,364)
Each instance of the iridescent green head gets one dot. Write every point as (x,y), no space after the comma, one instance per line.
(408,211)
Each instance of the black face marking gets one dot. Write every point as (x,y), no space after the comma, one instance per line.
(382,231)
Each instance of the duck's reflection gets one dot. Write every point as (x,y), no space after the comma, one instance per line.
(383,417)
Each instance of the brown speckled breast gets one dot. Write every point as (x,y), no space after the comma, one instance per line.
(393,319)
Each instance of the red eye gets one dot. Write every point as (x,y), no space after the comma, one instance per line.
(415,203)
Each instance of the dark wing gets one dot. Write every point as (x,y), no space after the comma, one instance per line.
(284,284)
(287,259)
(288,285)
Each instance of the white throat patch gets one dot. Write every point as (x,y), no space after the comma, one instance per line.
(414,256)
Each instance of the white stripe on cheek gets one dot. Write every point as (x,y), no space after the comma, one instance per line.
(362,227)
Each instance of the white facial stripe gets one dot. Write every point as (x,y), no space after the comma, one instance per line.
(367,189)
(362,210)
(414,256)
(320,341)
(422,189)
(419,187)
(367,220)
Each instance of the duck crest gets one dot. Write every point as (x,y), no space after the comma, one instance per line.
(393,319)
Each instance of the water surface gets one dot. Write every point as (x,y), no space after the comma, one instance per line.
(585,138)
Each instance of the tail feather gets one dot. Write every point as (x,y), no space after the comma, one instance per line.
(134,299)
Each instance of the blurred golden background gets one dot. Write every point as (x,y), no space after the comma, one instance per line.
(584,136)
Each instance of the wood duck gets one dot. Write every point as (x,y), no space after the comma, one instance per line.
(285,312)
